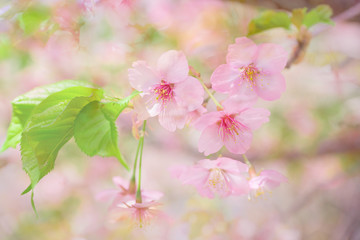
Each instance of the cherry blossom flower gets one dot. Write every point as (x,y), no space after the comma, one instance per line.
(231,127)
(252,68)
(223,177)
(140,214)
(167,91)
(125,193)
(264,181)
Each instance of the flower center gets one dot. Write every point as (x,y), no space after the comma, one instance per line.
(164,92)
(229,127)
(249,74)
(217,181)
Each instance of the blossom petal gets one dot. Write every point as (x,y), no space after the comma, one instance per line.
(240,144)
(140,108)
(237,103)
(172,116)
(195,176)
(173,66)
(142,77)
(225,78)
(238,184)
(210,141)
(209,164)
(270,87)
(253,117)
(232,166)
(271,58)
(151,195)
(207,119)
(120,182)
(272,179)
(153,107)
(242,53)
(189,93)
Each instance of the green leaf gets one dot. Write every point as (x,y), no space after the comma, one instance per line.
(267,20)
(24,105)
(32,19)
(6,47)
(95,129)
(320,14)
(298,16)
(50,126)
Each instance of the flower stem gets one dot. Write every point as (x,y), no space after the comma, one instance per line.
(138,192)
(132,185)
(198,77)
(247,160)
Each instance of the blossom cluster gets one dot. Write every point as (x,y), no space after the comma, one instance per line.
(176,97)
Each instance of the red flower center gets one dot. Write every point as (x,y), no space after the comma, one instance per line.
(164,92)
(230,127)
(249,74)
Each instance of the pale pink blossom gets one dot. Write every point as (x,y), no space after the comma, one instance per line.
(124,193)
(231,127)
(265,181)
(167,91)
(251,68)
(140,214)
(222,177)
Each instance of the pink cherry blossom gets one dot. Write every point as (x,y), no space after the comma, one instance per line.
(124,193)
(223,177)
(141,214)
(231,127)
(264,181)
(251,68)
(167,91)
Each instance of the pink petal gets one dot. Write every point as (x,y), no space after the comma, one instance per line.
(140,108)
(210,141)
(232,166)
(197,177)
(172,116)
(189,93)
(270,87)
(273,175)
(153,107)
(225,78)
(238,184)
(173,66)
(120,182)
(142,77)
(209,164)
(271,58)
(151,195)
(193,116)
(207,119)
(237,103)
(253,117)
(241,144)
(242,53)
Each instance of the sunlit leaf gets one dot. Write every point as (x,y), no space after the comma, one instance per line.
(50,126)
(5,48)
(320,14)
(24,105)
(298,16)
(95,129)
(32,19)
(267,20)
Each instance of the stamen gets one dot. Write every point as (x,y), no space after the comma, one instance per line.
(217,181)
(164,92)
(229,127)
(249,74)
